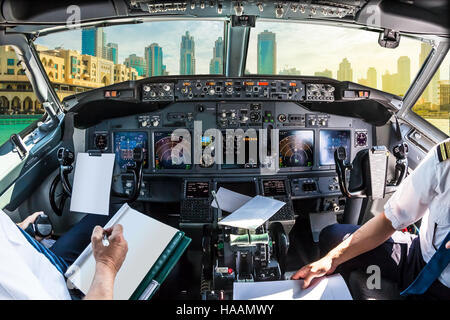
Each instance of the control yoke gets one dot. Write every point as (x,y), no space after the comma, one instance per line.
(366,176)
(66,159)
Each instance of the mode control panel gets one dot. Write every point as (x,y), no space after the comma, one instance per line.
(152,92)
(290,90)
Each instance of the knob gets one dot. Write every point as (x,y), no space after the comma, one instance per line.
(155,123)
(144,123)
(146,88)
(211,91)
(166,87)
(224,114)
(233,114)
(153,94)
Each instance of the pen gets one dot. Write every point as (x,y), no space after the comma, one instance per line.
(105,240)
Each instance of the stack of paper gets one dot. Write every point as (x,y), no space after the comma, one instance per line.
(326,288)
(247,213)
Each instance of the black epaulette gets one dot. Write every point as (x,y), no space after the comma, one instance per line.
(443,151)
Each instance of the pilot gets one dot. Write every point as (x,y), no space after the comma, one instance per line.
(418,264)
(28,270)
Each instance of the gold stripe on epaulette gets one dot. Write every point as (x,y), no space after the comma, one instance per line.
(444,151)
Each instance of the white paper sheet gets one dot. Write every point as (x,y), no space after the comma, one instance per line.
(229,200)
(253,213)
(92,183)
(146,237)
(326,288)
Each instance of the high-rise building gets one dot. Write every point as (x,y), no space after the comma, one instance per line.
(154,60)
(389,82)
(372,77)
(93,42)
(187,54)
(345,72)
(326,73)
(216,64)
(138,63)
(404,75)
(112,52)
(289,71)
(444,92)
(267,53)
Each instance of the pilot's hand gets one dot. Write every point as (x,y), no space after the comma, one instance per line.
(113,255)
(29,220)
(313,270)
(447,245)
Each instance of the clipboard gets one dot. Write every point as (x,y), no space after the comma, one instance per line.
(92,182)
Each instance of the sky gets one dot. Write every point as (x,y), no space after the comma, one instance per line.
(309,48)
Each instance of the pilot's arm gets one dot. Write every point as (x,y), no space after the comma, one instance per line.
(108,260)
(406,206)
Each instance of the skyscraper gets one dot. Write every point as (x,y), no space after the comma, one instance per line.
(112,52)
(389,82)
(154,60)
(216,64)
(187,54)
(267,53)
(133,61)
(345,72)
(326,73)
(93,42)
(404,74)
(372,77)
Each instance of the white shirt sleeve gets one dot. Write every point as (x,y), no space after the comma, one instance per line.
(414,195)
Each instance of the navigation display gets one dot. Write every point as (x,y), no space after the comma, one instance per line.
(163,152)
(197,190)
(296,148)
(274,188)
(241,145)
(125,142)
(329,141)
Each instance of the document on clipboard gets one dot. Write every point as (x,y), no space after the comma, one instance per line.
(92,183)
(154,248)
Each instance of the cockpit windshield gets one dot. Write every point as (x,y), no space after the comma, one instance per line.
(83,59)
(342,53)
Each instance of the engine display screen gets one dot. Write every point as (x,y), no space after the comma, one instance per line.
(197,190)
(125,142)
(329,141)
(165,158)
(244,147)
(296,148)
(274,188)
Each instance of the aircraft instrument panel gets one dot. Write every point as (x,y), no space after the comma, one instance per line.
(125,142)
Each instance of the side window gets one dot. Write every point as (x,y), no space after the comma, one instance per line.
(19,106)
(434,104)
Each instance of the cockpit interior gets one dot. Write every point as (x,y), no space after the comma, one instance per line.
(332,147)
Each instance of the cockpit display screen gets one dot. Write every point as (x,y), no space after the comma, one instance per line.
(296,148)
(197,190)
(329,141)
(243,154)
(274,188)
(165,158)
(125,142)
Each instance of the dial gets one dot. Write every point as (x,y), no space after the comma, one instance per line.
(101,141)
(361,139)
